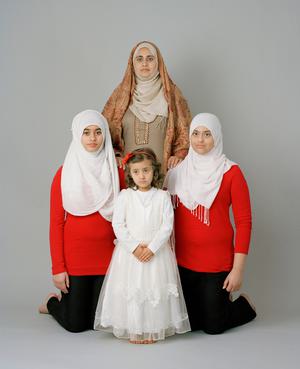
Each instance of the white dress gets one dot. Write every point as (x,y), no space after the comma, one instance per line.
(140,301)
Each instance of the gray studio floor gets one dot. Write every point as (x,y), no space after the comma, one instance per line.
(33,341)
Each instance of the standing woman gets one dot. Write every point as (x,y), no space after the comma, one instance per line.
(148,110)
(81,235)
(211,257)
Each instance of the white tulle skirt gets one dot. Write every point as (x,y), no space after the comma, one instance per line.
(142,301)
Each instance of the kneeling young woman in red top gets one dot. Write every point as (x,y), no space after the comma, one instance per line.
(81,235)
(211,258)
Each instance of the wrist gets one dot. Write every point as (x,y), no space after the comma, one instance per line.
(237,269)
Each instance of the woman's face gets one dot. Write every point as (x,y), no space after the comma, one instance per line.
(202,140)
(145,64)
(92,138)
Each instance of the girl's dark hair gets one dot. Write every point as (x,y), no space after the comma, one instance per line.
(139,155)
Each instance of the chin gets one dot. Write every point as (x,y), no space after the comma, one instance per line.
(91,150)
(202,152)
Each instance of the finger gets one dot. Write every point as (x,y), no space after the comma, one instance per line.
(229,287)
(145,258)
(64,289)
(178,162)
(225,283)
(67,281)
(61,286)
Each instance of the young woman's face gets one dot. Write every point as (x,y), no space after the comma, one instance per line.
(92,138)
(142,174)
(202,140)
(145,64)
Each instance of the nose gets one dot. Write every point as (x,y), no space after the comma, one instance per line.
(200,137)
(93,137)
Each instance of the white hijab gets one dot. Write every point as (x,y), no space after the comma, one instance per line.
(89,181)
(197,179)
(148,100)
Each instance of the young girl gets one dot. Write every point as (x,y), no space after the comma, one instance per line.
(211,259)
(141,298)
(81,236)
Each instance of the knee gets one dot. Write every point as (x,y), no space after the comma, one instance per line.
(215,326)
(213,330)
(76,324)
(75,327)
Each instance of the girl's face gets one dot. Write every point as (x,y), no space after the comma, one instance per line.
(202,140)
(92,138)
(142,174)
(145,64)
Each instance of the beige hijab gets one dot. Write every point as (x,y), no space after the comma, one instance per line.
(148,100)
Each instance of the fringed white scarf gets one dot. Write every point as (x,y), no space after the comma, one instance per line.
(196,181)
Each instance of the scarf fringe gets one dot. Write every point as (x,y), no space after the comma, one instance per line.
(199,212)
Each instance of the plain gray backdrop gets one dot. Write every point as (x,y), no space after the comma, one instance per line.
(237,59)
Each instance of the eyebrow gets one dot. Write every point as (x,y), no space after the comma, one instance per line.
(149,166)
(88,129)
(196,130)
(141,56)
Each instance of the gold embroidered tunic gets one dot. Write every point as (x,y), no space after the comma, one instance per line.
(137,134)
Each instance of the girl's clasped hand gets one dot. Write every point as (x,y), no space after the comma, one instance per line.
(143,253)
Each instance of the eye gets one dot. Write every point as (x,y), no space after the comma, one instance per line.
(139,59)
(207,134)
(99,133)
(150,58)
(85,133)
(195,133)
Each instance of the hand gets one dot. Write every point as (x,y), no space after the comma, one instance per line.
(139,250)
(61,281)
(233,281)
(120,162)
(146,256)
(173,162)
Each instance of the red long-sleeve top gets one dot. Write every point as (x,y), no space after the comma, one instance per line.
(211,248)
(79,245)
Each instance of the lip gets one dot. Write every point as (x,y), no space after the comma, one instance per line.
(92,145)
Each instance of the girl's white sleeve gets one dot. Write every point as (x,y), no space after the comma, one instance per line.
(119,224)
(165,230)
